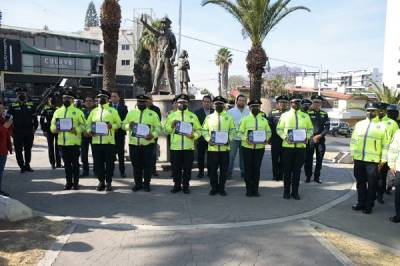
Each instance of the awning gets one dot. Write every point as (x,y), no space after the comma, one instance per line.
(26,49)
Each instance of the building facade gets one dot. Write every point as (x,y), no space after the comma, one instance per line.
(391,59)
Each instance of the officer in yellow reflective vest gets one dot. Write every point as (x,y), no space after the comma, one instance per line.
(101,125)
(394,164)
(391,127)
(144,127)
(218,131)
(295,129)
(69,123)
(368,146)
(184,128)
(255,132)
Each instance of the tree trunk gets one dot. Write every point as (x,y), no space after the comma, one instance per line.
(220,80)
(256,60)
(224,78)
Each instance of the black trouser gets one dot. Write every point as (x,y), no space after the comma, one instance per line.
(293,160)
(397,194)
(202,147)
(86,142)
(319,149)
(218,160)
(103,157)
(120,151)
(276,154)
(70,155)
(182,163)
(54,152)
(381,185)
(154,154)
(142,163)
(252,163)
(366,174)
(23,142)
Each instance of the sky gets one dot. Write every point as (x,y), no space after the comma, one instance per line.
(338,35)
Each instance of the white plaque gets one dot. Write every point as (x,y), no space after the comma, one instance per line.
(219,137)
(64,124)
(183,128)
(257,136)
(298,135)
(140,130)
(100,128)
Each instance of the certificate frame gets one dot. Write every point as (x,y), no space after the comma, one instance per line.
(250,136)
(94,127)
(178,127)
(214,137)
(292,136)
(61,121)
(135,128)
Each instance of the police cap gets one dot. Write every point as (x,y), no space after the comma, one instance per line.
(219,99)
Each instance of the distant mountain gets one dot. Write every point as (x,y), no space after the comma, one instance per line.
(287,72)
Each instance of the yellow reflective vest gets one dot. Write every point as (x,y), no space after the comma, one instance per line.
(148,117)
(104,113)
(370,141)
(218,122)
(391,126)
(290,120)
(250,122)
(78,123)
(394,152)
(178,141)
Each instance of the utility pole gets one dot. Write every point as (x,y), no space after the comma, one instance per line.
(319,80)
(180,27)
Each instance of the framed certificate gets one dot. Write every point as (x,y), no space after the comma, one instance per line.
(297,135)
(183,128)
(257,136)
(100,128)
(219,137)
(140,130)
(64,124)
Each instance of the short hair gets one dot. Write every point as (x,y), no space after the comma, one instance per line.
(91,97)
(240,95)
(117,92)
(207,97)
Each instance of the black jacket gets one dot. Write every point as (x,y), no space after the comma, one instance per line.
(24,117)
(45,117)
(201,115)
(122,112)
(320,122)
(157,110)
(273,119)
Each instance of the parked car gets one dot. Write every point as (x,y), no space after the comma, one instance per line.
(343,129)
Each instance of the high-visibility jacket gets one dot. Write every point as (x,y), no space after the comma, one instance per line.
(148,117)
(394,152)
(290,120)
(218,122)
(250,122)
(391,126)
(178,141)
(78,123)
(370,141)
(104,113)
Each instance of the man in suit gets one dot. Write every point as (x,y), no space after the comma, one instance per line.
(202,144)
(154,108)
(120,106)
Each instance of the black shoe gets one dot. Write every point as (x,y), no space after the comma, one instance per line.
(186,190)
(317,180)
(75,187)
(395,219)
(308,180)
(296,196)
(286,196)
(109,187)
(53,166)
(22,170)
(101,186)
(146,189)
(68,187)
(28,168)
(213,192)
(136,188)
(357,207)
(60,166)
(4,194)
(367,210)
(123,175)
(256,194)
(222,193)
(249,194)
(176,190)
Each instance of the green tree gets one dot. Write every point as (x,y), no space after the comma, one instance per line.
(205,92)
(110,19)
(236,80)
(149,41)
(385,94)
(223,59)
(91,18)
(142,69)
(258,18)
(274,87)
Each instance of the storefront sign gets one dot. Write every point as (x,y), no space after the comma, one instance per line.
(57,62)
(10,55)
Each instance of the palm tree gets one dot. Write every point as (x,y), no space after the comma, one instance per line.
(258,18)
(223,59)
(110,20)
(384,94)
(149,41)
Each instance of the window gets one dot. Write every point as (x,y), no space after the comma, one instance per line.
(125,47)
(125,62)
(335,104)
(398,86)
(82,46)
(68,45)
(40,42)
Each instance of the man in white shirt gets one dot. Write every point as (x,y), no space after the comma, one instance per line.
(237,112)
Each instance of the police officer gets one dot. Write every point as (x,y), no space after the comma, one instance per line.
(392,113)
(295,129)
(25,124)
(182,143)
(218,123)
(103,144)
(276,141)
(69,138)
(391,127)
(89,105)
(305,105)
(141,146)
(253,148)
(368,146)
(321,124)
(394,164)
(45,121)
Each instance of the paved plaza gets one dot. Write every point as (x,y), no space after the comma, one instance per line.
(160,228)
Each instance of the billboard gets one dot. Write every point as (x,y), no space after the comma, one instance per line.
(10,55)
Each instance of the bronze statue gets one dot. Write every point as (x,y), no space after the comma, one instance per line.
(183,73)
(166,52)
